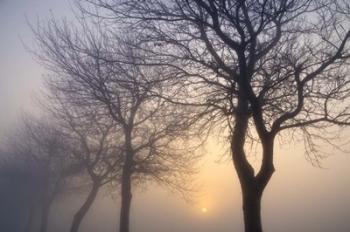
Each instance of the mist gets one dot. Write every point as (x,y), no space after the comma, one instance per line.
(301,196)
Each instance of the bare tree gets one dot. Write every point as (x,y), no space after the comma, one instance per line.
(267,66)
(19,182)
(93,142)
(39,145)
(95,69)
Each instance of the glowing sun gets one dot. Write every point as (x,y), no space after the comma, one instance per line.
(204,210)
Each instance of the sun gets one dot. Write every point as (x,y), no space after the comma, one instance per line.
(204,210)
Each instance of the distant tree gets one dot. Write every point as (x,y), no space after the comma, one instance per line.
(93,143)
(41,147)
(96,69)
(267,66)
(19,184)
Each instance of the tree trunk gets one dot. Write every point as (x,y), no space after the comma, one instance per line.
(125,201)
(126,182)
(252,185)
(252,211)
(45,216)
(28,226)
(78,217)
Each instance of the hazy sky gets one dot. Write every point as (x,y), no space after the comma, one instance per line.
(299,197)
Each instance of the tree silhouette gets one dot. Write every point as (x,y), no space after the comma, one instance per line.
(93,143)
(19,182)
(96,70)
(41,147)
(265,66)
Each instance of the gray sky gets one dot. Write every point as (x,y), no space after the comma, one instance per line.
(299,197)
(20,75)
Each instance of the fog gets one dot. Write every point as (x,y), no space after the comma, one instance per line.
(300,196)
(302,199)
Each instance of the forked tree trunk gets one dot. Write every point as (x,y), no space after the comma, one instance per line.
(78,217)
(125,201)
(252,185)
(252,191)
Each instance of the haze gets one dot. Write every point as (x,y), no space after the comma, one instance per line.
(300,197)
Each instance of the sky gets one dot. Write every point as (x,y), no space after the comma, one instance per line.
(299,197)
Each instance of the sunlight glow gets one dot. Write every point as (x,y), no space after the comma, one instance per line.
(204,210)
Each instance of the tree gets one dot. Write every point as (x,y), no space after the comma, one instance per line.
(93,143)
(95,69)
(42,148)
(267,66)
(19,182)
